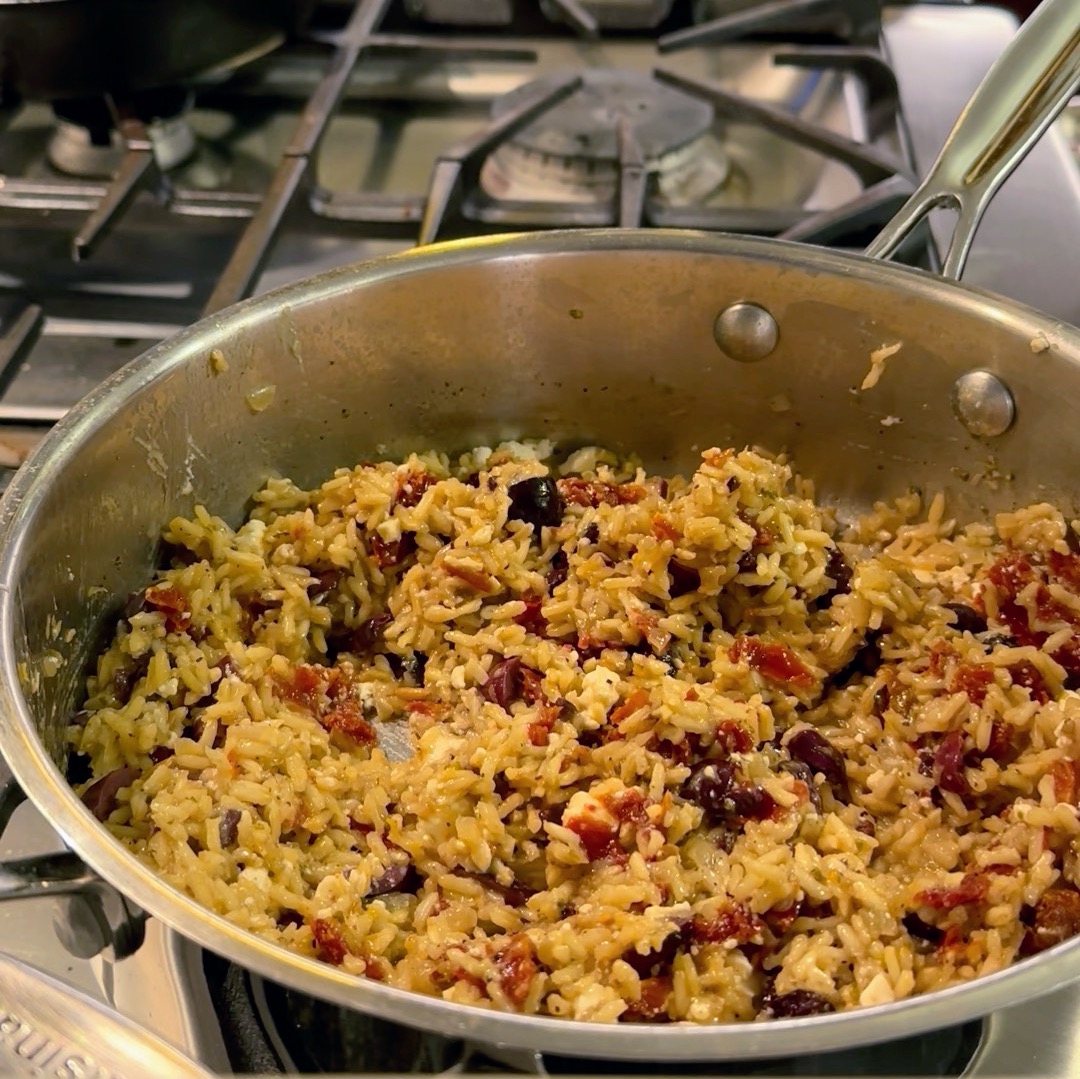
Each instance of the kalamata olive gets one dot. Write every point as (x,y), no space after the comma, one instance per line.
(865,662)
(536,501)
(398,878)
(814,750)
(795,1005)
(558,570)
(79,769)
(657,961)
(837,567)
(751,803)
(708,786)
(101,798)
(515,895)
(921,930)
(805,773)
(229,827)
(369,633)
(967,620)
(684,579)
(126,677)
(504,683)
(410,668)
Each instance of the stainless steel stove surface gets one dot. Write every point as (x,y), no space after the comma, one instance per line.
(402,122)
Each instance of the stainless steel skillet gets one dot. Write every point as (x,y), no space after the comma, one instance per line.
(657,342)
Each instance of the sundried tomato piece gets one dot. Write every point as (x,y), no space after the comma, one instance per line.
(733,736)
(346,717)
(1057,918)
(780,919)
(637,700)
(949,765)
(411,487)
(1066,567)
(517,966)
(737,923)
(973,888)
(173,604)
(329,943)
(581,492)
(1064,773)
(627,806)
(305,686)
(1000,746)
(531,619)
(663,529)
(477,580)
(539,730)
(777,662)
(388,554)
(1028,676)
(599,837)
(974,679)
(652,1005)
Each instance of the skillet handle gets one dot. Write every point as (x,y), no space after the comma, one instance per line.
(1020,97)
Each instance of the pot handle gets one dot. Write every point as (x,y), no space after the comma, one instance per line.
(47,1027)
(1020,97)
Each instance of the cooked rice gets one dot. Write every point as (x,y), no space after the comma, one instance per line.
(633,818)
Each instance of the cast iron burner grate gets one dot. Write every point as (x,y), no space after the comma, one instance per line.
(269,1030)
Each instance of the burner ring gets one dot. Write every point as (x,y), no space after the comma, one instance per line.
(583,127)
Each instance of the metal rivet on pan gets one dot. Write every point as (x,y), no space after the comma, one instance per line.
(983,404)
(746,332)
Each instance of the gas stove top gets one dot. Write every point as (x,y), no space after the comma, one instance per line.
(397,123)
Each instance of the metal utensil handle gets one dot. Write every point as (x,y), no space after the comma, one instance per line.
(1021,95)
(48,1028)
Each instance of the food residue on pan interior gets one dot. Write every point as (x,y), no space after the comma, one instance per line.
(261,399)
(878,359)
(684,748)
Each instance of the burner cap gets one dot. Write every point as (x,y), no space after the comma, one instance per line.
(86,144)
(584,125)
